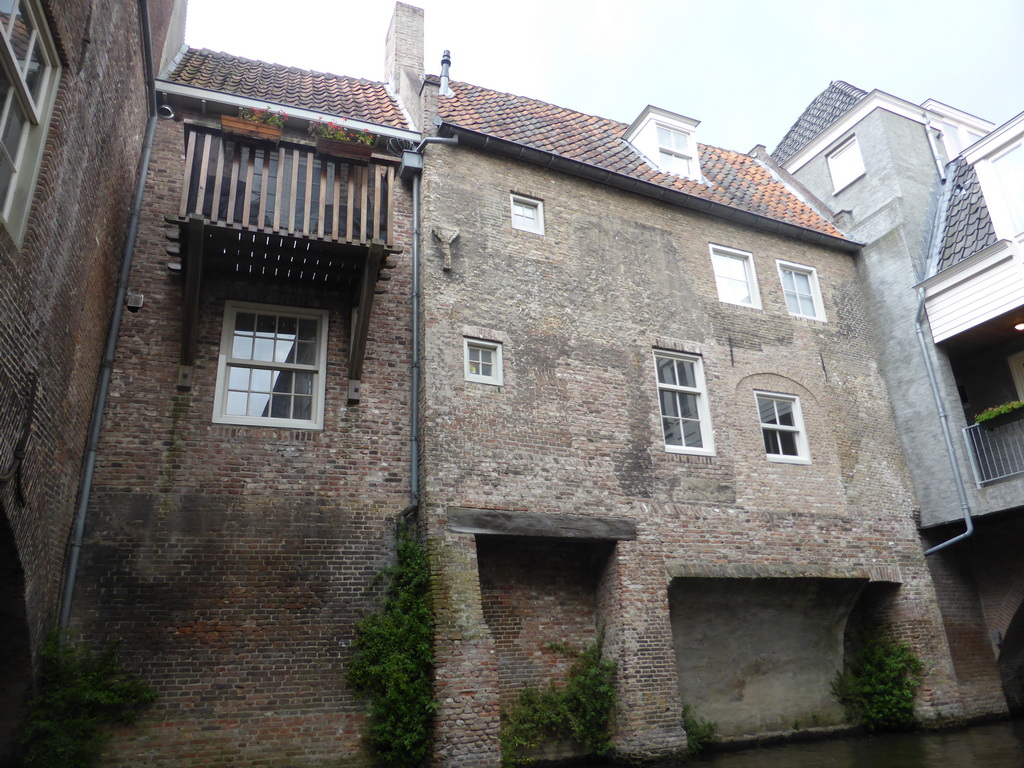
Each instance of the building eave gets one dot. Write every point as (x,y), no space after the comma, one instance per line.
(554,161)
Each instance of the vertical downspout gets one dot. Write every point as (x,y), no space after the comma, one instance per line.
(107,364)
(947,437)
(416,169)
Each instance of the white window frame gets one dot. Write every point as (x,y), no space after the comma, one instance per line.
(720,253)
(707,447)
(671,157)
(1010,199)
(523,223)
(845,164)
(497,376)
(802,455)
(24,151)
(815,294)
(226,359)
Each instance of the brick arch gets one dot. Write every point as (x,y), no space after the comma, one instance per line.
(1010,605)
(1011,663)
(15,653)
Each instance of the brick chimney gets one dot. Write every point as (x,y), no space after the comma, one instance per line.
(403,59)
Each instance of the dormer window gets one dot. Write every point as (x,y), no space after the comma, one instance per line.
(674,151)
(667,141)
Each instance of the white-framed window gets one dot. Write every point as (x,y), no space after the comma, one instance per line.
(483,363)
(845,164)
(801,289)
(272,365)
(527,214)
(685,418)
(28,87)
(782,428)
(675,150)
(735,276)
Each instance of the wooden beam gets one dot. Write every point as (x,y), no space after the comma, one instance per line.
(490,522)
(361,309)
(195,232)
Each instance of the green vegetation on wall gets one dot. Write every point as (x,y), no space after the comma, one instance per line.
(879,684)
(580,709)
(393,661)
(700,733)
(80,692)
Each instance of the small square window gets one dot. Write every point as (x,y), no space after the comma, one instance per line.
(527,214)
(734,275)
(800,287)
(685,419)
(271,367)
(483,362)
(782,428)
(845,165)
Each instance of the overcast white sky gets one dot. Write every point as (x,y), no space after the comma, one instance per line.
(744,68)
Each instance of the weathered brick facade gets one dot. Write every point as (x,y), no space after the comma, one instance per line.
(56,293)
(575,430)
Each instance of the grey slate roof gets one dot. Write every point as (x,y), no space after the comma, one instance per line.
(966,227)
(827,107)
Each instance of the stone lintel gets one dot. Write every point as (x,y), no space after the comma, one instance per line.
(490,522)
(678,569)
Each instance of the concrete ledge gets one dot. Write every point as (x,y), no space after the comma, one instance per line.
(679,569)
(490,522)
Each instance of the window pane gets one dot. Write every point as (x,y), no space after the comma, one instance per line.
(807,306)
(281,406)
(784,410)
(262,380)
(259,404)
(283,381)
(33,72)
(787,443)
(302,407)
(673,432)
(766,410)
(306,353)
(266,325)
(304,383)
(284,351)
(771,441)
(287,327)
(666,370)
(13,129)
(263,349)
(691,434)
(245,322)
(669,405)
(236,404)
(238,378)
(21,36)
(241,348)
(1010,169)
(308,330)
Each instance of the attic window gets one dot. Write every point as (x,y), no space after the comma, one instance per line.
(845,165)
(674,151)
(667,141)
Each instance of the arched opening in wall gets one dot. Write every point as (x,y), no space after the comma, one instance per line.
(1011,663)
(15,654)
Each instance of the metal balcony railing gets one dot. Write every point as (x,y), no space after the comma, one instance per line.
(996,452)
(287,189)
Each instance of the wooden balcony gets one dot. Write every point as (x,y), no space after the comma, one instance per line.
(260,211)
(287,189)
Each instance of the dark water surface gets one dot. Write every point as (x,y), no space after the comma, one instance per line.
(997,745)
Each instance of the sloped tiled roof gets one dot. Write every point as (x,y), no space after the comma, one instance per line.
(735,179)
(967,227)
(827,107)
(289,86)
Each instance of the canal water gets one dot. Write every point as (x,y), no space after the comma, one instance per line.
(996,745)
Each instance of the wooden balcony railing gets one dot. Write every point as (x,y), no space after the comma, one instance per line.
(287,189)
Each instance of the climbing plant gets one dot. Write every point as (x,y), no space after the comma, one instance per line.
(80,691)
(392,663)
(581,708)
(879,684)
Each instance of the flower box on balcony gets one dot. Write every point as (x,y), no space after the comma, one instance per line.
(250,128)
(1000,415)
(339,148)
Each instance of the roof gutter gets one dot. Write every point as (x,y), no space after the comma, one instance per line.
(545,159)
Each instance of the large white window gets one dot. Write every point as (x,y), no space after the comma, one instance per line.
(28,85)
(675,151)
(1009,168)
(272,366)
(685,419)
(527,214)
(482,361)
(845,164)
(800,286)
(734,276)
(782,428)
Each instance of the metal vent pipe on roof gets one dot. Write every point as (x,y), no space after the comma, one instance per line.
(446,62)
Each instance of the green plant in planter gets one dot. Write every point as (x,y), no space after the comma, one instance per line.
(878,687)
(265,116)
(998,410)
(80,692)
(327,130)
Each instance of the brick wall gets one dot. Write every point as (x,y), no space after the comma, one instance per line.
(575,427)
(233,561)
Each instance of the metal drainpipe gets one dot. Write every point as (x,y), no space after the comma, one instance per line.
(414,439)
(946,435)
(106,366)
